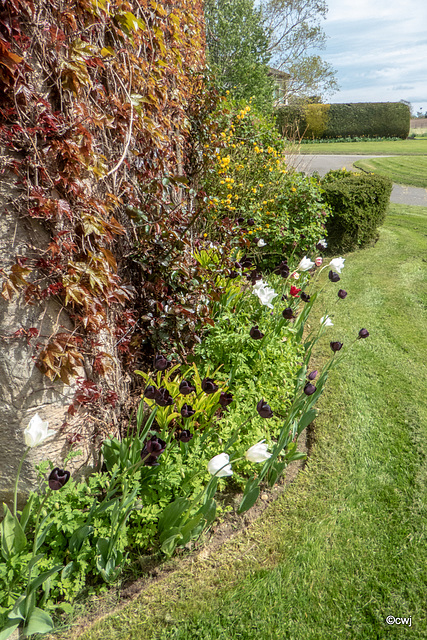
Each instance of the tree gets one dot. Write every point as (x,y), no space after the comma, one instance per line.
(238,49)
(294,27)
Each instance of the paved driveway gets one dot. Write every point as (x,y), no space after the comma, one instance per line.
(322,164)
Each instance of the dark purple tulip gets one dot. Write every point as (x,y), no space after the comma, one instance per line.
(185,435)
(250,222)
(283,269)
(225,399)
(334,277)
(255,333)
(160,363)
(304,296)
(154,447)
(336,346)
(209,386)
(246,262)
(240,221)
(187,411)
(309,389)
(312,375)
(264,409)
(233,274)
(253,276)
(58,477)
(185,388)
(163,398)
(288,314)
(342,294)
(150,392)
(363,333)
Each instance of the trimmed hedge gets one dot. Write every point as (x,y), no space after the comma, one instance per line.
(368,119)
(359,203)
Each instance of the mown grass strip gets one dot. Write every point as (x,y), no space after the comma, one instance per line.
(417,147)
(347,540)
(408,170)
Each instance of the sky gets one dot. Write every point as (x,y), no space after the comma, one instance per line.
(379,50)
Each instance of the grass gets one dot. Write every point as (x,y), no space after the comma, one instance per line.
(416,147)
(409,170)
(346,545)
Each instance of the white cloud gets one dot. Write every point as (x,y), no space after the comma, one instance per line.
(378,49)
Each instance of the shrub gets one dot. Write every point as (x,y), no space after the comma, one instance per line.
(274,209)
(366,119)
(359,203)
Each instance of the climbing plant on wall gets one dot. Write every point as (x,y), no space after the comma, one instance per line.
(98,104)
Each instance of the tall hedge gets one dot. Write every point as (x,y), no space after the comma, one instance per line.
(369,119)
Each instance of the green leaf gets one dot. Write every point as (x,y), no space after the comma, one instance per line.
(26,511)
(39,622)
(249,500)
(172,515)
(78,537)
(13,538)
(41,538)
(44,576)
(306,419)
(10,627)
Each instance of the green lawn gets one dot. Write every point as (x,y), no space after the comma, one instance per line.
(417,147)
(346,545)
(409,170)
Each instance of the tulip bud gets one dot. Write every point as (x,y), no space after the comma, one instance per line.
(255,333)
(185,388)
(209,386)
(283,269)
(334,277)
(150,392)
(225,399)
(258,453)
(187,411)
(185,436)
(318,261)
(264,409)
(363,333)
(342,294)
(58,478)
(336,346)
(312,375)
(309,389)
(304,297)
(288,314)
(163,398)
(154,447)
(160,363)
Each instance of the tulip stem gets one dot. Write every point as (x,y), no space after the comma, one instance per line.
(15,495)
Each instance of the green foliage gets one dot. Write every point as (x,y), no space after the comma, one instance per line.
(359,202)
(238,50)
(375,120)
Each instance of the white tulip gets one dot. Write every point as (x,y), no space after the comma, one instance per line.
(37,431)
(259,284)
(261,242)
(326,321)
(338,264)
(258,452)
(265,294)
(305,264)
(219,466)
